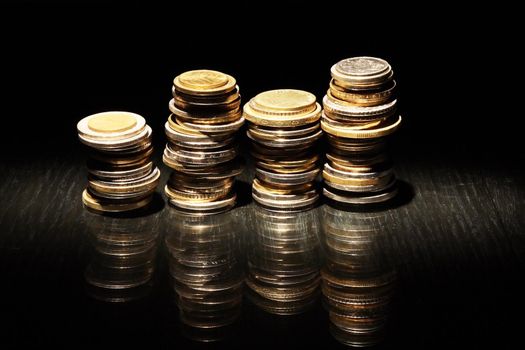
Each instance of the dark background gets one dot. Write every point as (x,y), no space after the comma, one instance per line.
(453,68)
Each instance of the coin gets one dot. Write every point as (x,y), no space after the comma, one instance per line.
(341,108)
(110,125)
(204,82)
(285,120)
(108,206)
(285,100)
(362,98)
(384,129)
(362,72)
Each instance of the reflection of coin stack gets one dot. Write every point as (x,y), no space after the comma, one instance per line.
(206,271)
(284,125)
(357,285)
(121,174)
(359,112)
(205,115)
(283,262)
(123,259)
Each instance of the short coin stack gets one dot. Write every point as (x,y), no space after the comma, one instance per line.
(122,176)
(359,112)
(284,127)
(284,262)
(357,284)
(201,150)
(206,269)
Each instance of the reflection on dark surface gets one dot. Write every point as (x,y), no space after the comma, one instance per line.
(357,283)
(206,272)
(123,258)
(283,260)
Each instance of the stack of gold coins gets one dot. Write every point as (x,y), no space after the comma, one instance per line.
(357,283)
(284,127)
(122,176)
(283,260)
(206,270)
(201,150)
(359,113)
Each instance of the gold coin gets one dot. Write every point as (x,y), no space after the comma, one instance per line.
(112,122)
(360,98)
(293,120)
(283,100)
(204,82)
(113,206)
(176,194)
(384,129)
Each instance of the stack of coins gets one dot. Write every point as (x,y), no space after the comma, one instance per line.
(284,126)
(359,113)
(201,150)
(122,176)
(207,271)
(283,262)
(357,283)
(122,260)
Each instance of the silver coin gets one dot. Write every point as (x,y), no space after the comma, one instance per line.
(342,108)
(123,175)
(287,179)
(367,198)
(286,142)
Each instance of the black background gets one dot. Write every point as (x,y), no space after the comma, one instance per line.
(62,62)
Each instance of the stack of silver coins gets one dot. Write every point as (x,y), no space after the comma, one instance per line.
(359,113)
(357,282)
(122,176)
(283,260)
(284,127)
(123,259)
(206,270)
(202,151)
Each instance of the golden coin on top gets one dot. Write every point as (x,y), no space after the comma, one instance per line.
(283,108)
(204,82)
(284,127)
(201,141)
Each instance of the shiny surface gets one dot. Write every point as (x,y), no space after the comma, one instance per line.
(443,262)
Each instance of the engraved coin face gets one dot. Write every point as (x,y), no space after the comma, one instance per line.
(285,99)
(362,66)
(205,82)
(112,122)
(203,79)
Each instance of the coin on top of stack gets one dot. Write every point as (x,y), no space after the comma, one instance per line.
(284,127)
(122,176)
(201,149)
(359,113)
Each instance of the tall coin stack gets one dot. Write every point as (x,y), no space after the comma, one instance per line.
(359,113)
(284,126)
(122,176)
(201,150)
